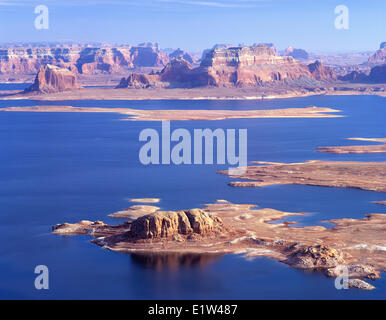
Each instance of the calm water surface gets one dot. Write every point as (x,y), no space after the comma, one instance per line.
(69,166)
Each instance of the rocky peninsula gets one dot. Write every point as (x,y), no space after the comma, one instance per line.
(381,148)
(342,174)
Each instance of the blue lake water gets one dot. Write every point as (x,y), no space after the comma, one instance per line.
(57,167)
(13,86)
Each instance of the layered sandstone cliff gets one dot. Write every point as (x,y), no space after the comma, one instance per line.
(161,225)
(81,59)
(240,67)
(54,79)
(175,224)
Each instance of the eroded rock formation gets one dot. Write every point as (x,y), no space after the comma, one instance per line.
(168,225)
(223,227)
(53,79)
(314,257)
(239,66)
(321,72)
(173,225)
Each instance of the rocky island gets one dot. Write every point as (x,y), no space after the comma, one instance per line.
(224,227)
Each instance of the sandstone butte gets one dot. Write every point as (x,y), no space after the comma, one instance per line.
(233,66)
(181,115)
(342,174)
(224,227)
(380,148)
(53,79)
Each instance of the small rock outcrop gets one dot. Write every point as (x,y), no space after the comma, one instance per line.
(175,224)
(321,72)
(315,257)
(359,284)
(52,79)
(135,80)
(175,74)
(355,271)
(331,262)
(82,227)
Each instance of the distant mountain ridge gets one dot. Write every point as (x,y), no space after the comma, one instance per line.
(83,60)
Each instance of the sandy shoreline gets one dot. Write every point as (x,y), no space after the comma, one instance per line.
(110,93)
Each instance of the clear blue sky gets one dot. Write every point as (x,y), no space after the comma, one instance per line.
(197,24)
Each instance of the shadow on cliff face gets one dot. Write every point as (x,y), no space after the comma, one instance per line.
(173,261)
